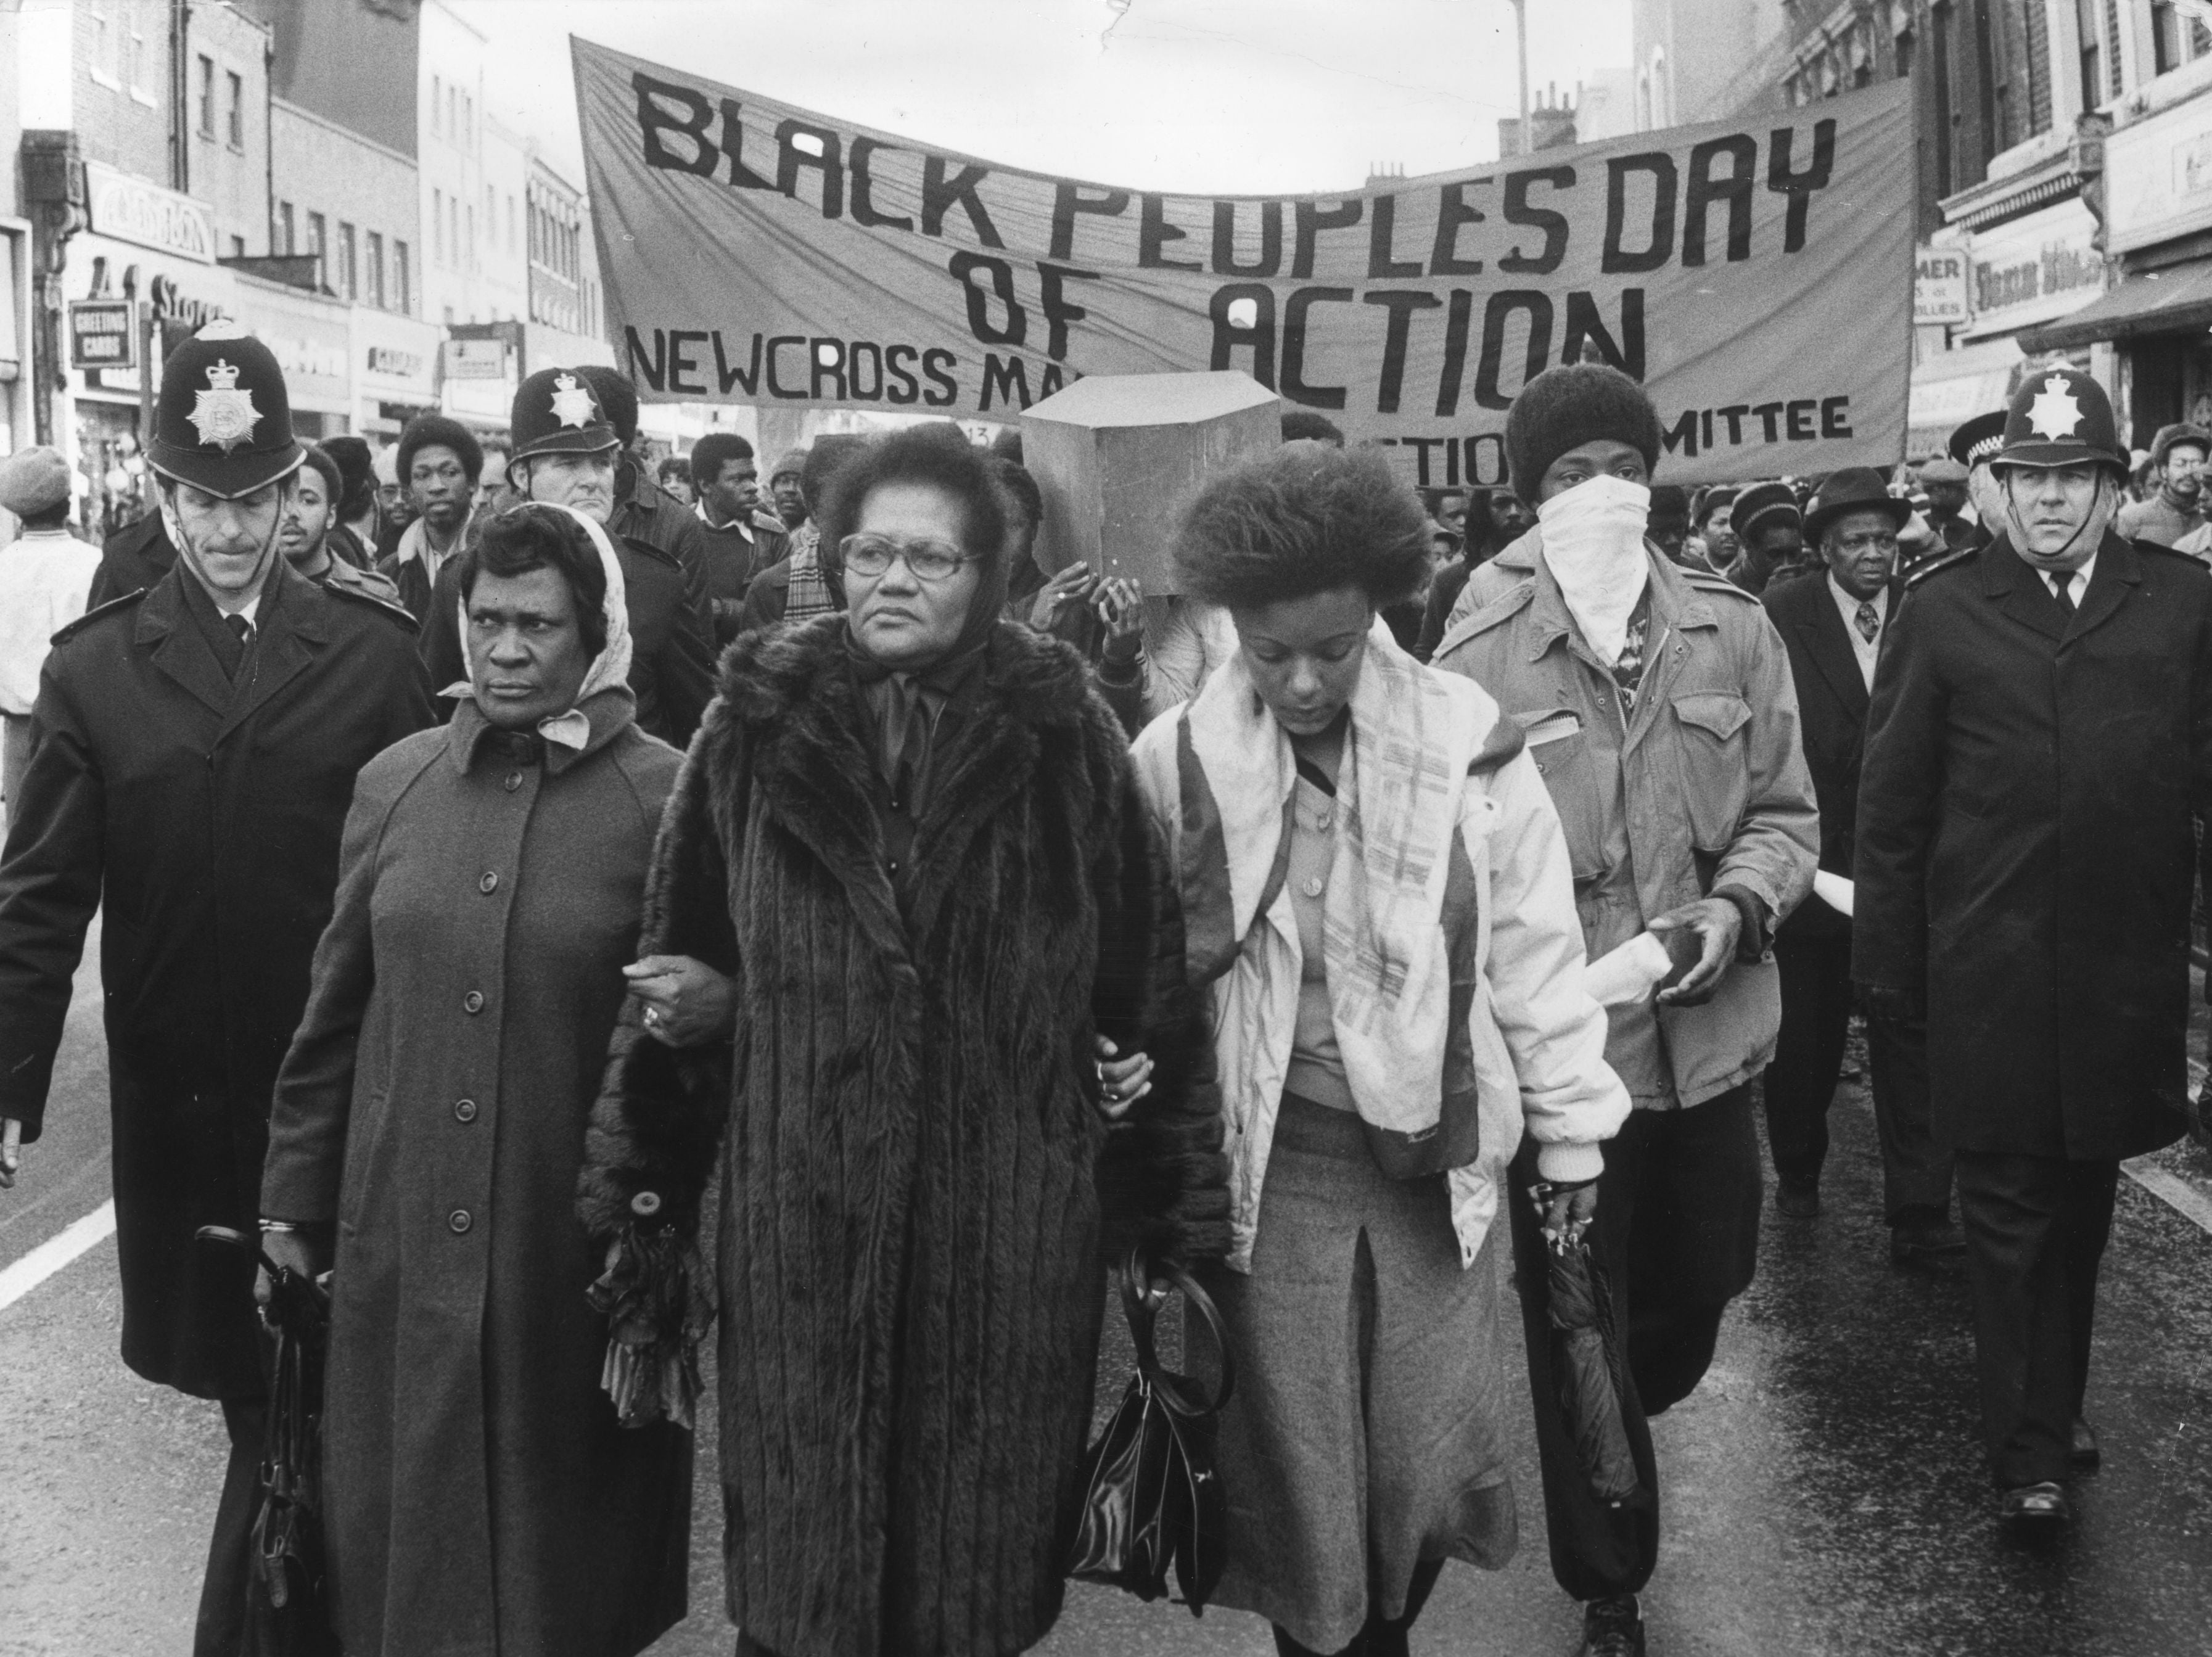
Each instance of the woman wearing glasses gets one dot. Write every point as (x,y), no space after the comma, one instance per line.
(908,836)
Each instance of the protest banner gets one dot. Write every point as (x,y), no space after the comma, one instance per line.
(1756,274)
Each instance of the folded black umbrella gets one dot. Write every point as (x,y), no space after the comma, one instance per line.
(287,1609)
(1586,1366)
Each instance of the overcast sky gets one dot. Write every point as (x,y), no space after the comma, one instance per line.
(1181,96)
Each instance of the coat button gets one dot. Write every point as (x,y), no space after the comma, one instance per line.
(513,781)
(1313,886)
(490,883)
(472,1001)
(460,1221)
(465,1110)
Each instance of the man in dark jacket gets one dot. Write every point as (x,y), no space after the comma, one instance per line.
(1833,626)
(564,454)
(439,461)
(739,539)
(195,749)
(2041,727)
(642,510)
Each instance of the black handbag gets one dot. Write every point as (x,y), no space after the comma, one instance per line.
(1150,1497)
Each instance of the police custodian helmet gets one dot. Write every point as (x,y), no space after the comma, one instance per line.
(2061,417)
(554,413)
(223,423)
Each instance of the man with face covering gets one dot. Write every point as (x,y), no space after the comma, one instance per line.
(1659,706)
(195,746)
(2039,733)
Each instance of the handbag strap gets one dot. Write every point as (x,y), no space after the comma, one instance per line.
(1142,1309)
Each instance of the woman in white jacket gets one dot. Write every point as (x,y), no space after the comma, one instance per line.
(1376,894)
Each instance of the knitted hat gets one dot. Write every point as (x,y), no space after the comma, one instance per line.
(792,466)
(34,481)
(1764,500)
(1568,406)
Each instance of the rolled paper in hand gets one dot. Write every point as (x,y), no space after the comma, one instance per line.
(1833,891)
(1627,974)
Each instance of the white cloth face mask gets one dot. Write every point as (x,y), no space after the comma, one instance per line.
(1593,540)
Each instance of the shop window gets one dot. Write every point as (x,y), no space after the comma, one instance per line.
(402,281)
(207,97)
(348,268)
(375,270)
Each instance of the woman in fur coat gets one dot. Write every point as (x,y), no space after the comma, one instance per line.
(909,837)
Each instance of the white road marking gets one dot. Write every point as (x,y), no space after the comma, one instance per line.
(56,1252)
(2171,1189)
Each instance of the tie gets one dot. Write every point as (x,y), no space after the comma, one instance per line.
(241,629)
(2062,589)
(1869,621)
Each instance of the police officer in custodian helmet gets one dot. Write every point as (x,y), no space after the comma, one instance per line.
(194,748)
(2039,733)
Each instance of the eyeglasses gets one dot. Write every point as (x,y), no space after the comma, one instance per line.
(872,555)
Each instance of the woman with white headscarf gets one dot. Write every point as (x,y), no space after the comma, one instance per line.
(429,1124)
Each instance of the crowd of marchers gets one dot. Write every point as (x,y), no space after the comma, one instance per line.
(505,860)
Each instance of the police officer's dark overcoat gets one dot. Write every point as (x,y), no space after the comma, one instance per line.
(202,816)
(2024,843)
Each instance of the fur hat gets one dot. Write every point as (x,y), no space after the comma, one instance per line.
(34,481)
(2168,436)
(1568,406)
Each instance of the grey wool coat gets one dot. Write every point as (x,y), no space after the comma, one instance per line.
(481,1497)
(920,1196)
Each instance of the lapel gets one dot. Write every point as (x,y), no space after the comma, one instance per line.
(173,640)
(2118,571)
(2020,593)
(291,633)
(1827,640)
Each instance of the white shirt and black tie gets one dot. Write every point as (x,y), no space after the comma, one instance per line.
(1863,620)
(2069,588)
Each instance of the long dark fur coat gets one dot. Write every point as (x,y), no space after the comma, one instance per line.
(920,1195)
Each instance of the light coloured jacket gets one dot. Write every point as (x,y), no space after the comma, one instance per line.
(1537,1038)
(1705,786)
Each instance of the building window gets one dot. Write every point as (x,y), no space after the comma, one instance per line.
(468,124)
(437,227)
(375,272)
(511,238)
(101,67)
(1994,138)
(2039,71)
(316,244)
(471,243)
(238,113)
(238,247)
(134,46)
(348,270)
(281,233)
(491,220)
(453,233)
(403,279)
(207,97)
(437,96)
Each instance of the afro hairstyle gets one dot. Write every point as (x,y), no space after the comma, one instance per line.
(936,456)
(436,431)
(1303,521)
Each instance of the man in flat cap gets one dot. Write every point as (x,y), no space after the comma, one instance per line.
(2039,733)
(194,749)
(565,453)
(1950,512)
(43,579)
(1770,536)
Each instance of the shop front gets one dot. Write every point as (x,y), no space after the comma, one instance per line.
(2158,179)
(395,362)
(147,246)
(1951,387)
(479,369)
(312,343)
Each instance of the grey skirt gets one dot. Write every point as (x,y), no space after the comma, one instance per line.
(1366,1432)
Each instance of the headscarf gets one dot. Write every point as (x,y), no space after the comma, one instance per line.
(1593,542)
(609,669)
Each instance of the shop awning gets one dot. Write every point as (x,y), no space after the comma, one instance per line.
(1951,387)
(2159,302)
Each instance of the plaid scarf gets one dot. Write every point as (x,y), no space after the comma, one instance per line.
(809,591)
